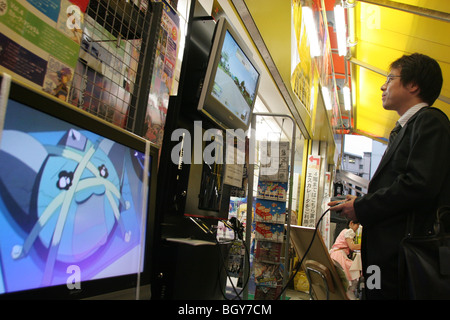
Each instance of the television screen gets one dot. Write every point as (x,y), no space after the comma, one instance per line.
(231,80)
(73,198)
(236,80)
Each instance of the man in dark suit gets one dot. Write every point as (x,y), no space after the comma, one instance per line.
(413,175)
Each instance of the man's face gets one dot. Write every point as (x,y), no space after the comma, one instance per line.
(394,93)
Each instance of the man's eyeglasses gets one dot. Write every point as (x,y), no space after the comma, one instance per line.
(389,78)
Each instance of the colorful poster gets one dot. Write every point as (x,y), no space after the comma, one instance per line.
(163,74)
(40,42)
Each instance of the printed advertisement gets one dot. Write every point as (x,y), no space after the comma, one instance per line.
(40,41)
(163,74)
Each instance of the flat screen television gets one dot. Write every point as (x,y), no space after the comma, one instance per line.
(76,201)
(229,89)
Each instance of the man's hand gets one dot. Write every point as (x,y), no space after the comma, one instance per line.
(344,208)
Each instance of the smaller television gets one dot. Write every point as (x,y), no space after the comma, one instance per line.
(77,198)
(229,89)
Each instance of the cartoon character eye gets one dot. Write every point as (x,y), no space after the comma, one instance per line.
(103,171)
(64,180)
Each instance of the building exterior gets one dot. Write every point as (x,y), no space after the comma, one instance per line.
(359,166)
(356,164)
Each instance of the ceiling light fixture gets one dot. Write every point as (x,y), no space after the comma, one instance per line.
(347,98)
(311,30)
(341,28)
(326,98)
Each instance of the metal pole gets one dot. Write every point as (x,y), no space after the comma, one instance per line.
(425,12)
(248,226)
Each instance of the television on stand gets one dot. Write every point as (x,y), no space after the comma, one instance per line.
(227,97)
(77,197)
(230,85)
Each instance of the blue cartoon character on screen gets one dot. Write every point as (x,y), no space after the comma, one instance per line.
(67,198)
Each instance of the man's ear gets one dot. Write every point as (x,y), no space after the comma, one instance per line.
(413,88)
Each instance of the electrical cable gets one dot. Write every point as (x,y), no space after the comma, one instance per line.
(238,294)
(236,225)
(226,271)
(238,228)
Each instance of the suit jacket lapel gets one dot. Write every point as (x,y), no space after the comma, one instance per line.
(389,152)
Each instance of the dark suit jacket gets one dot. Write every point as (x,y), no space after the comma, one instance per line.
(412,177)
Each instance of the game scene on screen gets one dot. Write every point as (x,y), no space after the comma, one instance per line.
(236,80)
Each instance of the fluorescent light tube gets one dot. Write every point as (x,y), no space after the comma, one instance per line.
(311,30)
(347,100)
(341,30)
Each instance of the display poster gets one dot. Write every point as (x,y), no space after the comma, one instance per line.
(40,41)
(163,74)
(311,191)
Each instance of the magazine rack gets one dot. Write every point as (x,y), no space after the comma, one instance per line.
(248,230)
